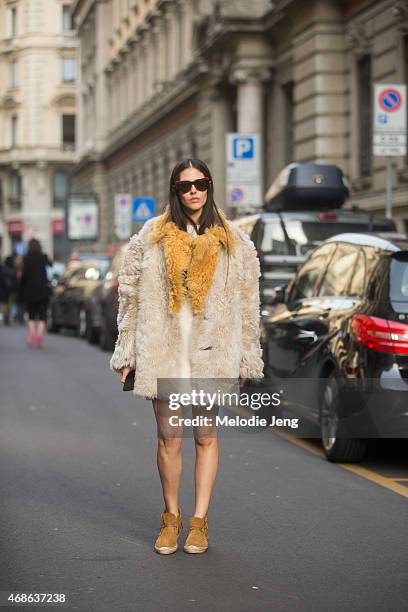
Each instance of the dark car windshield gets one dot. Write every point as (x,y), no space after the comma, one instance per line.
(303,236)
(399,277)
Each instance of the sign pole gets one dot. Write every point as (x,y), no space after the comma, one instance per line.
(390,128)
(389,188)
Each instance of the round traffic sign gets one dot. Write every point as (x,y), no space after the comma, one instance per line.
(236,194)
(390,99)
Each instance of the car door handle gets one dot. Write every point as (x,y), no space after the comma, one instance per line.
(325,313)
(307,336)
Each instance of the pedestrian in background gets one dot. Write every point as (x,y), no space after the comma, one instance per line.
(8,288)
(188,306)
(19,263)
(34,291)
(12,282)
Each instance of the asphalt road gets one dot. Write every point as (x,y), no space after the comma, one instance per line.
(81,502)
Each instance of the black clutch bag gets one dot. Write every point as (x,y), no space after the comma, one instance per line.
(129,381)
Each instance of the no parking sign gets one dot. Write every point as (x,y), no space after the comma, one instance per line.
(390,113)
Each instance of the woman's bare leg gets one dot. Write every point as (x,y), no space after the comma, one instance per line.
(31,329)
(206,465)
(169,458)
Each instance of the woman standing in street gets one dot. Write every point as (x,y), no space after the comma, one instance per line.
(188,307)
(34,291)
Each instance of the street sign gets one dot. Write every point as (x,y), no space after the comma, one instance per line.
(390,129)
(123,215)
(244,170)
(143,209)
(83,217)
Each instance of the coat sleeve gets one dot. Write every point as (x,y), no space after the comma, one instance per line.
(251,365)
(125,350)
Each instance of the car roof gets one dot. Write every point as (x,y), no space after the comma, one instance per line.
(381,241)
(313,215)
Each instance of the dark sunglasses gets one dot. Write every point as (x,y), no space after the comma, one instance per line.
(200,184)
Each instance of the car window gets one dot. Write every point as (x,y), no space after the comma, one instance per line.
(305,283)
(339,271)
(273,239)
(76,276)
(304,236)
(399,277)
(358,279)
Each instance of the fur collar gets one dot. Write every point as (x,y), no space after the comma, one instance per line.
(192,257)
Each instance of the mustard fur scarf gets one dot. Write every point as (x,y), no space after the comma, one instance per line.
(195,256)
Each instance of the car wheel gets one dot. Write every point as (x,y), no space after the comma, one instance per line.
(336,449)
(92,333)
(106,341)
(52,327)
(82,320)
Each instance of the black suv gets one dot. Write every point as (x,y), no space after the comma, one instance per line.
(338,337)
(284,239)
(302,209)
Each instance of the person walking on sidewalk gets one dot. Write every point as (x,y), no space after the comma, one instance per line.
(34,291)
(189,306)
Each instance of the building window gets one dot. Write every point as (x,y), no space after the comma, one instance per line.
(67,19)
(68,130)
(13,22)
(365,114)
(68,69)
(61,188)
(14,128)
(15,190)
(287,92)
(13,74)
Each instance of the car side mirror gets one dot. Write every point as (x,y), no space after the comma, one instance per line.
(280,294)
(274,295)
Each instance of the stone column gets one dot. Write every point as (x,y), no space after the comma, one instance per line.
(168,51)
(151,64)
(220,124)
(187,36)
(320,77)
(160,30)
(143,68)
(249,82)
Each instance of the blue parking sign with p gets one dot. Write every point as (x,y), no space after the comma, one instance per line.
(243,147)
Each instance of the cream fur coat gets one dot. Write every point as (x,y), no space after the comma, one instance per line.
(224,333)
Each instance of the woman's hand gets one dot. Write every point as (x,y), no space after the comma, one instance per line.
(123,373)
(242,381)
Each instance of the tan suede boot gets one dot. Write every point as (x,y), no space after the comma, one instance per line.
(171,526)
(197,539)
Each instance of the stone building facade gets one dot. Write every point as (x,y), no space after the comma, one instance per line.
(38,49)
(165,79)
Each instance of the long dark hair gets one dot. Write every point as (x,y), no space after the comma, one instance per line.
(209,214)
(34,246)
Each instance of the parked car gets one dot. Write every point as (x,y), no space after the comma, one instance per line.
(108,303)
(55,272)
(284,239)
(67,304)
(341,329)
(302,209)
(93,313)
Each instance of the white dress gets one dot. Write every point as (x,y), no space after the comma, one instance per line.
(185,316)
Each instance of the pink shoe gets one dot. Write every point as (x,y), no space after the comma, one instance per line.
(39,341)
(31,339)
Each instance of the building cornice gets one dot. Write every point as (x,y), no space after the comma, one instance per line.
(147,116)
